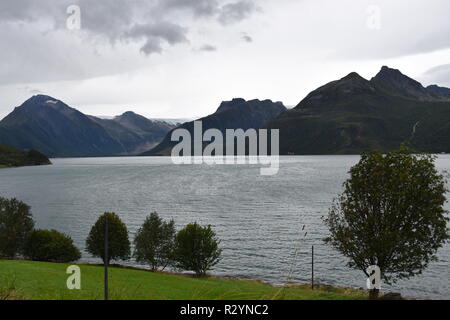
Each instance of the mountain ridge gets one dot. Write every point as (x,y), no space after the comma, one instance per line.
(237,113)
(58,130)
(352,115)
(345,116)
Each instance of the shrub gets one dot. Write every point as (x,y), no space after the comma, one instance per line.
(196,249)
(16,222)
(154,242)
(50,245)
(118,242)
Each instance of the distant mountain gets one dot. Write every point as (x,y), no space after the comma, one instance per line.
(175,121)
(352,115)
(171,121)
(235,114)
(46,124)
(445,92)
(12,157)
(134,132)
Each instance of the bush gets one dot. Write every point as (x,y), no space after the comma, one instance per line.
(196,249)
(154,242)
(16,222)
(50,245)
(118,242)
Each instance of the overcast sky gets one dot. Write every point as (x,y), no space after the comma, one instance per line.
(181,58)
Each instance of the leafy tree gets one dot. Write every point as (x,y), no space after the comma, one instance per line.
(390,214)
(154,242)
(16,222)
(118,242)
(50,245)
(197,249)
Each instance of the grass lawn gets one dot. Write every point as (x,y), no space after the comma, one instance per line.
(47,281)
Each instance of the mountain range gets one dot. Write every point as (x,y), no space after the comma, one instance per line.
(346,116)
(353,115)
(235,114)
(49,125)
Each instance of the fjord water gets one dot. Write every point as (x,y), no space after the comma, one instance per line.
(267,224)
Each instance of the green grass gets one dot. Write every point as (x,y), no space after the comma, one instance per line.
(47,281)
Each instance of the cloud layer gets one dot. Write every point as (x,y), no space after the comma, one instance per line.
(42,48)
(182,57)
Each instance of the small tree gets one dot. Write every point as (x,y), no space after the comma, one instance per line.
(197,249)
(118,242)
(16,222)
(50,245)
(390,214)
(154,242)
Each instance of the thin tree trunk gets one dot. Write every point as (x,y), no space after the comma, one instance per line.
(373,294)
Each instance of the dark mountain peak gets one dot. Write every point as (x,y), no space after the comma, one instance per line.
(349,86)
(254,103)
(49,125)
(40,107)
(266,101)
(141,125)
(353,76)
(394,76)
(225,105)
(353,115)
(40,104)
(351,81)
(388,70)
(40,99)
(129,113)
(442,92)
(393,82)
(235,114)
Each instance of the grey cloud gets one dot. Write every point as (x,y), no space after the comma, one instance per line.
(156,33)
(439,75)
(28,10)
(198,7)
(208,47)
(237,11)
(226,12)
(41,49)
(121,19)
(112,19)
(246,37)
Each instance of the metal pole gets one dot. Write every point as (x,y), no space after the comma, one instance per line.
(106,258)
(312,267)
